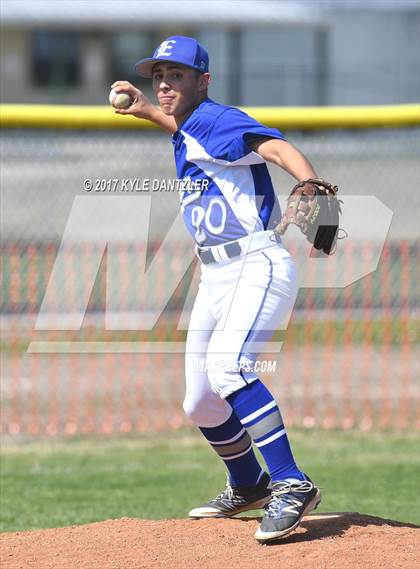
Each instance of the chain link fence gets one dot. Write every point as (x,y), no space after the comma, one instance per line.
(350,354)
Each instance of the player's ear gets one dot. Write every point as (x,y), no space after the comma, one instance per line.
(203,81)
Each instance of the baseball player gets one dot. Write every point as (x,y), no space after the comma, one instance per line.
(248,281)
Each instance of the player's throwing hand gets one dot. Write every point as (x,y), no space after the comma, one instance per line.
(142,108)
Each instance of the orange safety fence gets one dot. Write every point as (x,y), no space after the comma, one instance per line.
(349,357)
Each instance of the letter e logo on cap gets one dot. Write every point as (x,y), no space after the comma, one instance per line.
(165,48)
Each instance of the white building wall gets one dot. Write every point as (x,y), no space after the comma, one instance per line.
(15,84)
(279,67)
(217,45)
(374,57)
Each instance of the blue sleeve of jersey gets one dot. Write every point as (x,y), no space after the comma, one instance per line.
(232,132)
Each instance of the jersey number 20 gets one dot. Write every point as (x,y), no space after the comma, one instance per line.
(208,215)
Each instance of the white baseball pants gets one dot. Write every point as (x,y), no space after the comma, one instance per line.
(239,304)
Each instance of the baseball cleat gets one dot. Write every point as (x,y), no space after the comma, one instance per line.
(235,499)
(290,501)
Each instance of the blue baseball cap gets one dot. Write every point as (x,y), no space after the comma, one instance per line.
(178,49)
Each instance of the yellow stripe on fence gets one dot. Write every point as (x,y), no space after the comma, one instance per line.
(337,117)
(302,118)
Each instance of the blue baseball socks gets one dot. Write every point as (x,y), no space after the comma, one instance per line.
(259,414)
(234,446)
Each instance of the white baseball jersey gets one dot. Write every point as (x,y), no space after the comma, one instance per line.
(230,193)
(240,301)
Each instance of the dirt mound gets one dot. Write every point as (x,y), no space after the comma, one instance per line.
(327,541)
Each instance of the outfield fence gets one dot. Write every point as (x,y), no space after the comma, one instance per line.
(350,355)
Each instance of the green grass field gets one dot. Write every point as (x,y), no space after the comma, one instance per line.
(395,330)
(61,483)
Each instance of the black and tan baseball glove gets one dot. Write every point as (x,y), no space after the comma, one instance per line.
(314,207)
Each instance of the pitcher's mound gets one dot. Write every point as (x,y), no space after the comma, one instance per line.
(323,541)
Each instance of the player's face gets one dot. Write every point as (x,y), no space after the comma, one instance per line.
(179,89)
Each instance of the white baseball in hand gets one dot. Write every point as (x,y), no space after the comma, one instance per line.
(121,100)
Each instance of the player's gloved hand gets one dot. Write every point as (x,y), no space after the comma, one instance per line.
(141,108)
(313,206)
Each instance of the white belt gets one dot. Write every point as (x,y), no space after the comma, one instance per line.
(238,248)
